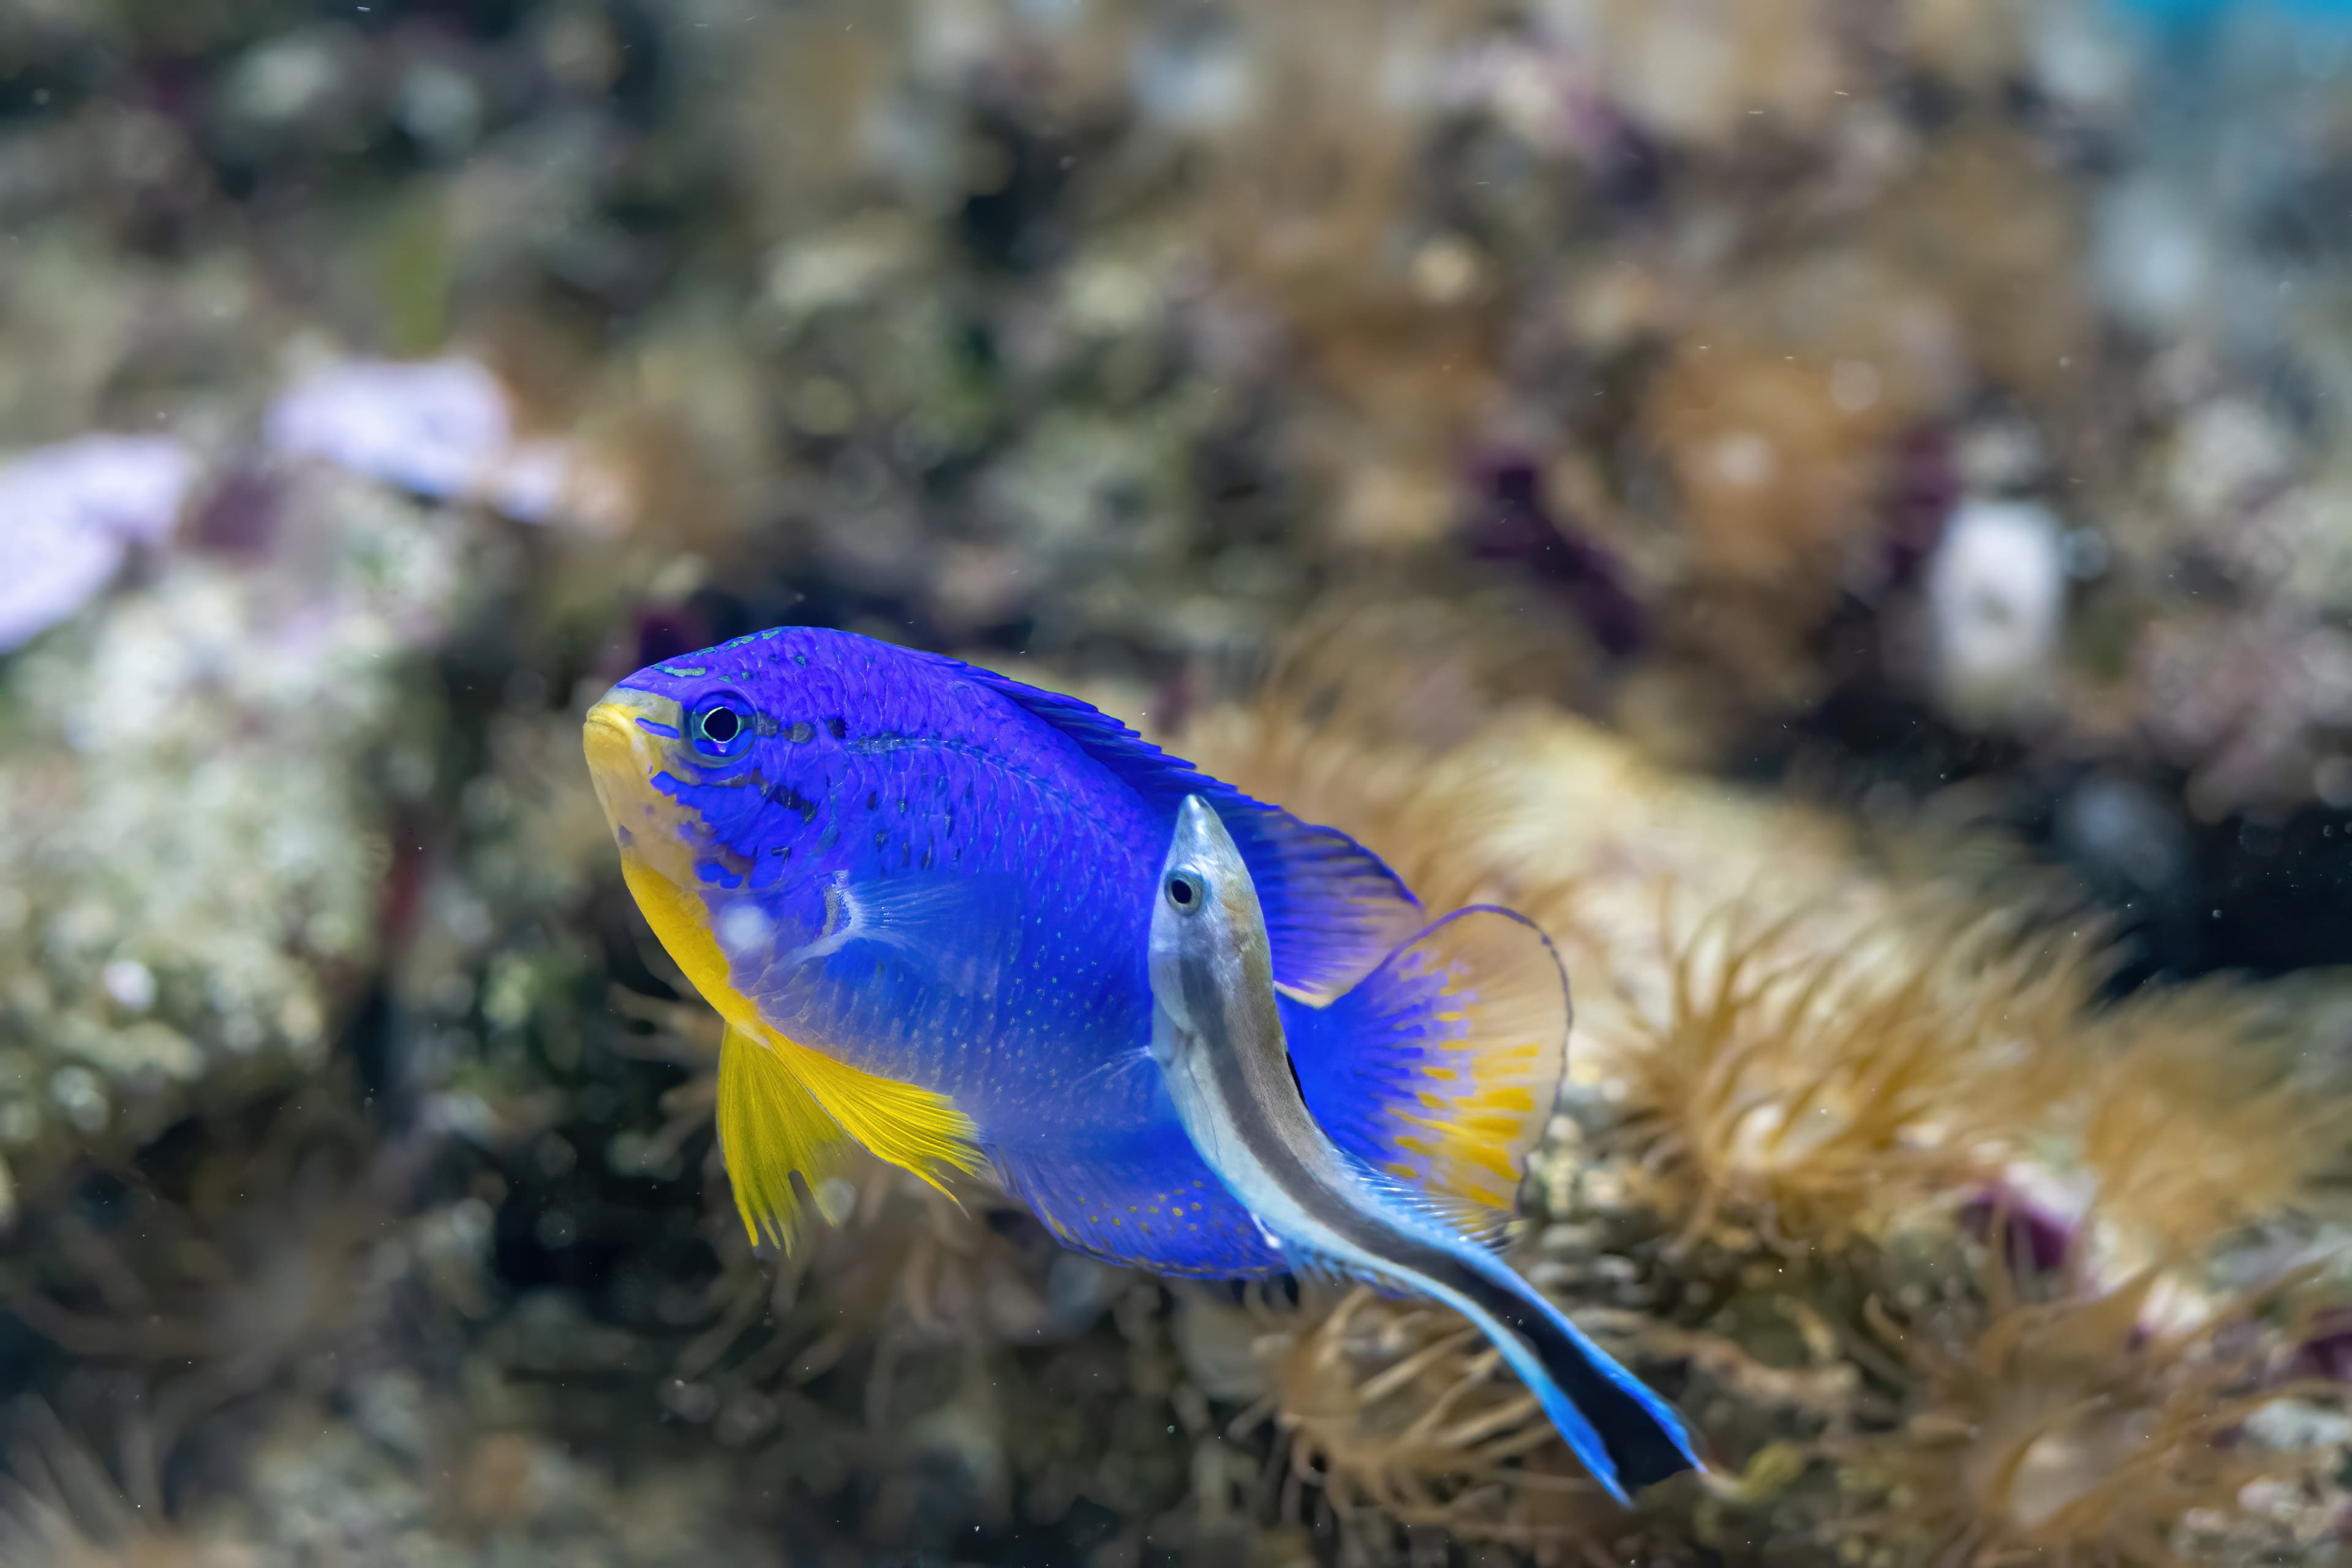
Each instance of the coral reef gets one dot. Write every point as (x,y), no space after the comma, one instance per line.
(199,784)
(1928,416)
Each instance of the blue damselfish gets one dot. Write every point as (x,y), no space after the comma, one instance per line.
(919,893)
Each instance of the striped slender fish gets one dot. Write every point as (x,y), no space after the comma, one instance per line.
(1218,1038)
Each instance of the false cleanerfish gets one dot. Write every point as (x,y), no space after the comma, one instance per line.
(920,895)
(1218,1038)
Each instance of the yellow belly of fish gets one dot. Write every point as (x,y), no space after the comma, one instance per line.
(783,1107)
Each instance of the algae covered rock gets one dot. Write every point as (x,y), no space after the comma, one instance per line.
(199,776)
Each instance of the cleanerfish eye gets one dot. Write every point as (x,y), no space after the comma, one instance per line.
(1184,891)
(719,726)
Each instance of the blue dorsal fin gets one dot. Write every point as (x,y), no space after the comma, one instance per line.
(1148,1203)
(1333,910)
(1439,1071)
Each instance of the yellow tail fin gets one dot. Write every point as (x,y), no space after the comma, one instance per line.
(783,1108)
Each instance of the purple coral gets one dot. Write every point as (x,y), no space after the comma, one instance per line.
(70,512)
(1923,490)
(443,428)
(1514,524)
(2037,1236)
(2326,1352)
(425,427)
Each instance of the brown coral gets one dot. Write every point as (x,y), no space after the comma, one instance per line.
(1783,1040)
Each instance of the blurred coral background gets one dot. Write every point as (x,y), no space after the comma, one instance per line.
(1841,509)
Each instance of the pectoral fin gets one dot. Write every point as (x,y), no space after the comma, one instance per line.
(956,925)
(785,1109)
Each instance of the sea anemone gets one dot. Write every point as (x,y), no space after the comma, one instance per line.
(1391,1416)
(1767,1032)
(1805,1092)
(209,1292)
(2064,1426)
(2188,1116)
(60,1509)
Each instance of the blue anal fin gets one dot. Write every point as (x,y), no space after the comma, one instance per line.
(1151,1203)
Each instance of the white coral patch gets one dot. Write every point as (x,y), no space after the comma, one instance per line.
(1997,605)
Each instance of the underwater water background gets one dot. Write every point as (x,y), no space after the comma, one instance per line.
(1842,511)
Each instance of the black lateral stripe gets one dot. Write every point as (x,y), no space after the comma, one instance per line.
(1637,1442)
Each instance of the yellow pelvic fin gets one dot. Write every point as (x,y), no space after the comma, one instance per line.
(900,1123)
(783,1108)
(770,1126)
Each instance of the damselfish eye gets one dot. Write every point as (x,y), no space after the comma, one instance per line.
(1186,894)
(719,726)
